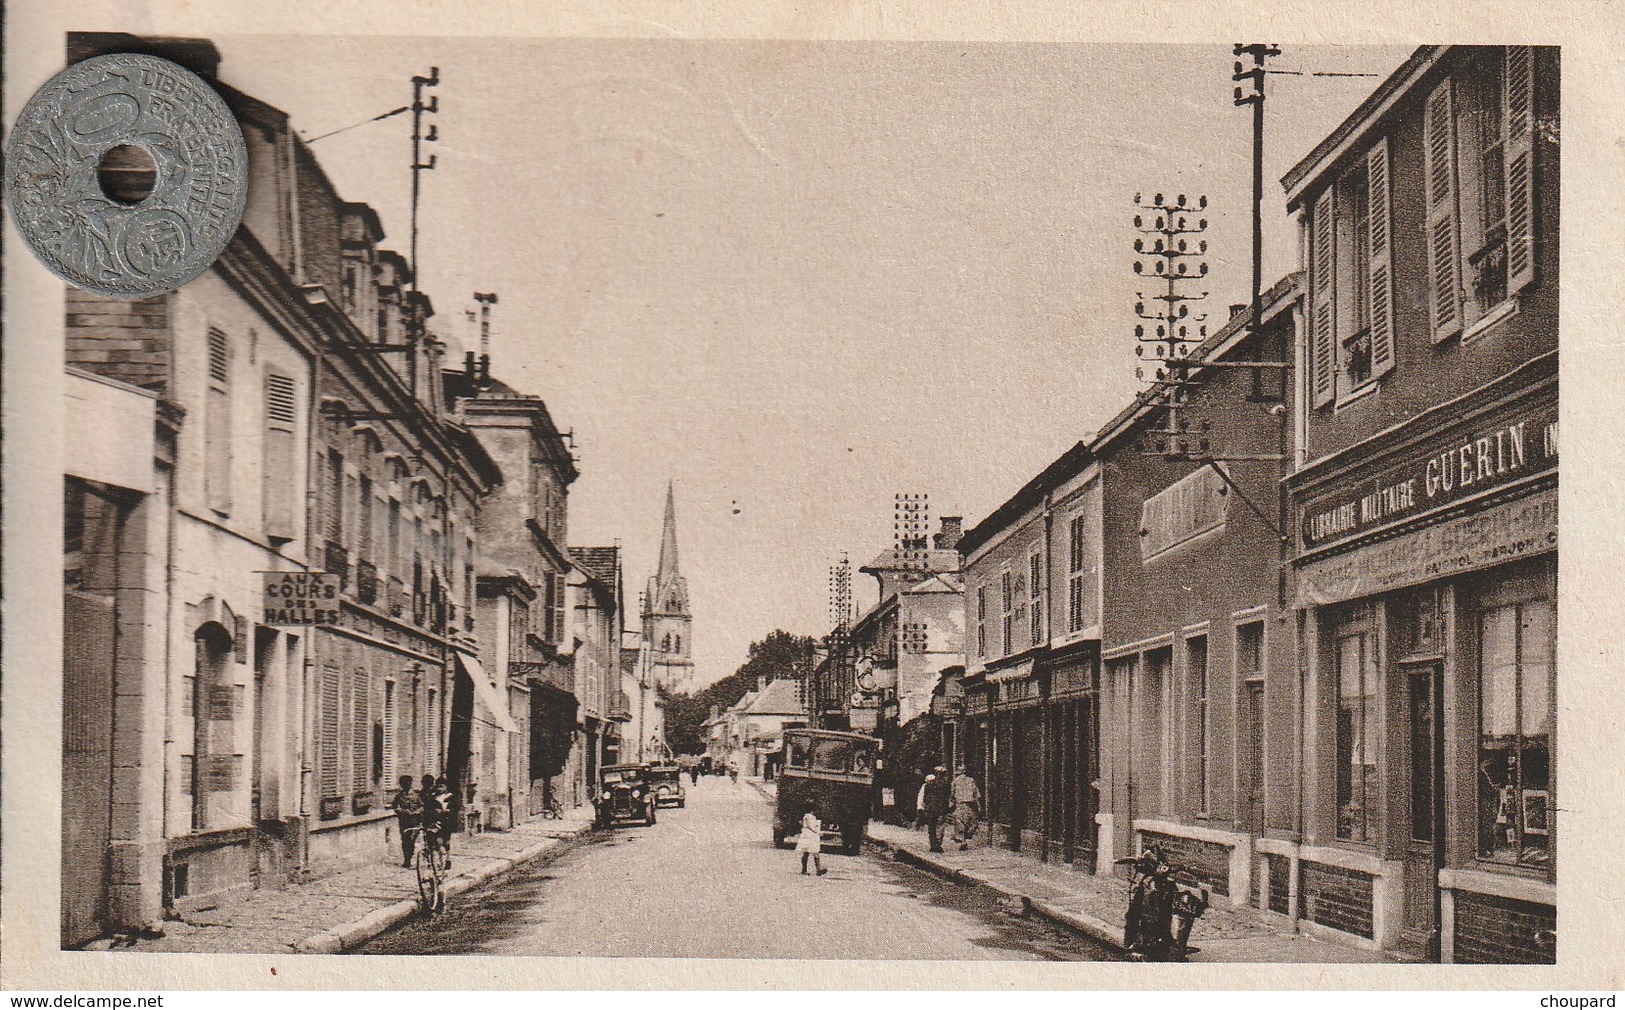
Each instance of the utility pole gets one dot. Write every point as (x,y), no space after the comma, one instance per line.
(1173,255)
(419,138)
(1259,52)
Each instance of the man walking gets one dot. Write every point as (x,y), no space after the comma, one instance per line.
(408,807)
(967,807)
(937,799)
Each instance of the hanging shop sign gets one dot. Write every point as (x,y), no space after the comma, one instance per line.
(294,598)
(1438,472)
(1516,529)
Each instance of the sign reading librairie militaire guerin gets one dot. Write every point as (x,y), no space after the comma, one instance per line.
(301,598)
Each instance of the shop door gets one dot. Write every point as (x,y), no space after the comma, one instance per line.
(87,762)
(1424,850)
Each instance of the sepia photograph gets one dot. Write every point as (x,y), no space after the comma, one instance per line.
(802,499)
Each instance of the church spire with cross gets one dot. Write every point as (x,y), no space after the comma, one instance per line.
(666,618)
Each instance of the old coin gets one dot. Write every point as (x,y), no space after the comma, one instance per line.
(117,108)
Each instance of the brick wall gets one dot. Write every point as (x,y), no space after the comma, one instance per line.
(1494,930)
(1335,897)
(125,340)
(1208,862)
(1278,883)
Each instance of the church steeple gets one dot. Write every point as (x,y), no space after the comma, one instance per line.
(668,540)
(666,620)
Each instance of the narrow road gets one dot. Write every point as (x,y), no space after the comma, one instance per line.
(706,881)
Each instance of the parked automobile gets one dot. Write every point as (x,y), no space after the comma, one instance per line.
(624,795)
(667,782)
(834,773)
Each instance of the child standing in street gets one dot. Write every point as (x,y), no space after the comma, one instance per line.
(811,840)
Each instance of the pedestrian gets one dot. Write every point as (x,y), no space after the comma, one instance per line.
(919,802)
(733,772)
(966,800)
(694,774)
(937,797)
(408,809)
(811,840)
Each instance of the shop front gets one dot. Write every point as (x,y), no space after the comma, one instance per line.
(1427,575)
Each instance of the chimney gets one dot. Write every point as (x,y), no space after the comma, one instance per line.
(715,708)
(953,530)
(761,683)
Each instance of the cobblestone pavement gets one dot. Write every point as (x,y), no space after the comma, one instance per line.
(1095,904)
(277,920)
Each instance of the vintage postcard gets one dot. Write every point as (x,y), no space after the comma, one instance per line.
(654,498)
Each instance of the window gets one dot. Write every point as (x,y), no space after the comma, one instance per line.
(677,645)
(278,484)
(1351,322)
(1515,725)
(981,621)
(217,425)
(1196,664)
(327,741)
(1075,575)
(1249,650)
(1354,277)
(1480,176)
(1035,597)
(1357,789)
(518,630)
(360,732)
(1008,591)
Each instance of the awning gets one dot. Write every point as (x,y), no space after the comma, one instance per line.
(493,700)
(1015,671)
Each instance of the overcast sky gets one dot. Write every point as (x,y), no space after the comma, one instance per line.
(798,278)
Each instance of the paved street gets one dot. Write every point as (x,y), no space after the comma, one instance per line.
(706,881)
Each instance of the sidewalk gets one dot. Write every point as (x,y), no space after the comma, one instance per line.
(1094,905)
(347,909)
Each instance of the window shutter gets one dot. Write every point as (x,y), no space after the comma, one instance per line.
(278,480)
(1520,174)
(360,730)
(1322,339)
(1443,261)
(1380,217)
(217,425)
(327,755)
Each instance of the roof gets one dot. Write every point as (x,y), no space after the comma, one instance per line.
(1066,466)
(744,702)
(778,699)
(1279,296)
(1365,113)
(947,582)
(937,559)
(599,562)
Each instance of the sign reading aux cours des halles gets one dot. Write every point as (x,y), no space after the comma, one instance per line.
(293,598)
(1437,473)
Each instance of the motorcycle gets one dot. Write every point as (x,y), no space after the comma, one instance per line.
(1162,908)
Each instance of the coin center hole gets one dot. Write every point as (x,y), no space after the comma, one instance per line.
(127,174)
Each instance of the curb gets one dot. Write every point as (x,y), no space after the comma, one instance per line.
(348,936)
(1096,929)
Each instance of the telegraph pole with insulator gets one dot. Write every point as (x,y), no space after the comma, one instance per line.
(1171,251)
(1258,52)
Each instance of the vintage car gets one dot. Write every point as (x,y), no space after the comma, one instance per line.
(667,782)
(624,795)
(832,772)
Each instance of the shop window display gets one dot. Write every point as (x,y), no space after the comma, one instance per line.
(1515,719)
(1357,787)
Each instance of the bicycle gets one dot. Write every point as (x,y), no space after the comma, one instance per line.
(553,810)
(430,863)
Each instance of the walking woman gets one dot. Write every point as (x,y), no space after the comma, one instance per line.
(811,840)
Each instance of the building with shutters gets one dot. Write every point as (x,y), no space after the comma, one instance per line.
(182,694)
(1198,687)
(1027,726)
(1423,513)
(521,568)
(596,603)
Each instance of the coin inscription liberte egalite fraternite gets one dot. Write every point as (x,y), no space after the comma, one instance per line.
(126,248)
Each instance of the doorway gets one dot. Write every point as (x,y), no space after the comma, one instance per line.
(1424,849)
(1250,756)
